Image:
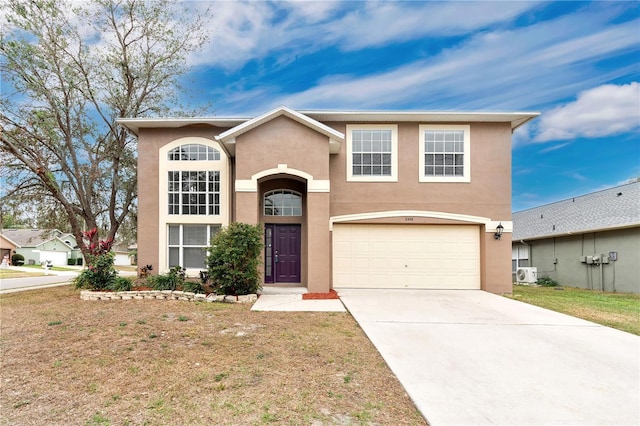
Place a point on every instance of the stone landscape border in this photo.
(165, 295)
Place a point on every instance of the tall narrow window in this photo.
(194, 192)
(282, 202)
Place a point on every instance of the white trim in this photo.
(490, 225)
(466, 177)
(394, 153)
(313, 185)
(164, 166)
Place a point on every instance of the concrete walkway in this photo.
(469, 357)
(289, 299)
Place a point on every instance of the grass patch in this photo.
(54, 268)
(617, 310)
(12, 273)
(210, 369)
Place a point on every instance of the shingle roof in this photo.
(31, 237)
(611, 208)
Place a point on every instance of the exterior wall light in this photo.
(499, 230)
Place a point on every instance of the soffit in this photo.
(516, 119)
(135, 124)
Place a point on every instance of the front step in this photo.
(282, 289)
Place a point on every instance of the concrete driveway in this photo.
(468, 357)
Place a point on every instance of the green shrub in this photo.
(193, 287)
(100, 273)
(17, 259)
(71, 262)
(547, 282)
(79, 261)
(234, 258)
(121, 284)
(169, 281)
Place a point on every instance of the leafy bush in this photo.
(79, 261)
(121, 284)
(234, 258)
(547, 282)
(100, 273)
(71, 262)
(193, 287)
(17, 259)
(169, 281)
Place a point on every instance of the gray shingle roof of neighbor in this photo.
(612, 208)
(31, 237)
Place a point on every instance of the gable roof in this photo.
(612, 208)
(335, 137)
(34, 237)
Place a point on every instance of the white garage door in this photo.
(406, 256)
(58, 258)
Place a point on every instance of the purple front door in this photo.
(282, 253)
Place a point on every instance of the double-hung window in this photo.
(445, 153)
(372, 153)
(188, 243)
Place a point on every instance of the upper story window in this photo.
(445, 153)
(372, 153)
(194, 192)
(193, 152)
(282, 202)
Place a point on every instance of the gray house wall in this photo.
(559, 258)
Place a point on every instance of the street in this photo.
(8, 285)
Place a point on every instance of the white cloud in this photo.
(379, 23)
(605, 110)
(497, 70)
(244, 31)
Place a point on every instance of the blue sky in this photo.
(578, 63)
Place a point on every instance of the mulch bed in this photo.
(321, 296)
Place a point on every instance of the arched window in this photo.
(194, 152)
(282, 202)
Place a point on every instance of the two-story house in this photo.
(345, 198)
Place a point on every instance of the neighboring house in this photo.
(7, 247)
(591, 241)
(122, 255)
(346, 199)
(43, 245)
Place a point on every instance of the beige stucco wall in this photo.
(487, 195)
(283, 141)
(279, 142)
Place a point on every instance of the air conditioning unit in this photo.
(527, 275)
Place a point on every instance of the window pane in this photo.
(194, 235)
(193, 152)
(174, 256)
(282, 203)
(213, 230)
(174, 235)
(194, 257)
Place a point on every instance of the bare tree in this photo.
(69, 70)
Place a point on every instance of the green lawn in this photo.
(617, 310)
(55, 268)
